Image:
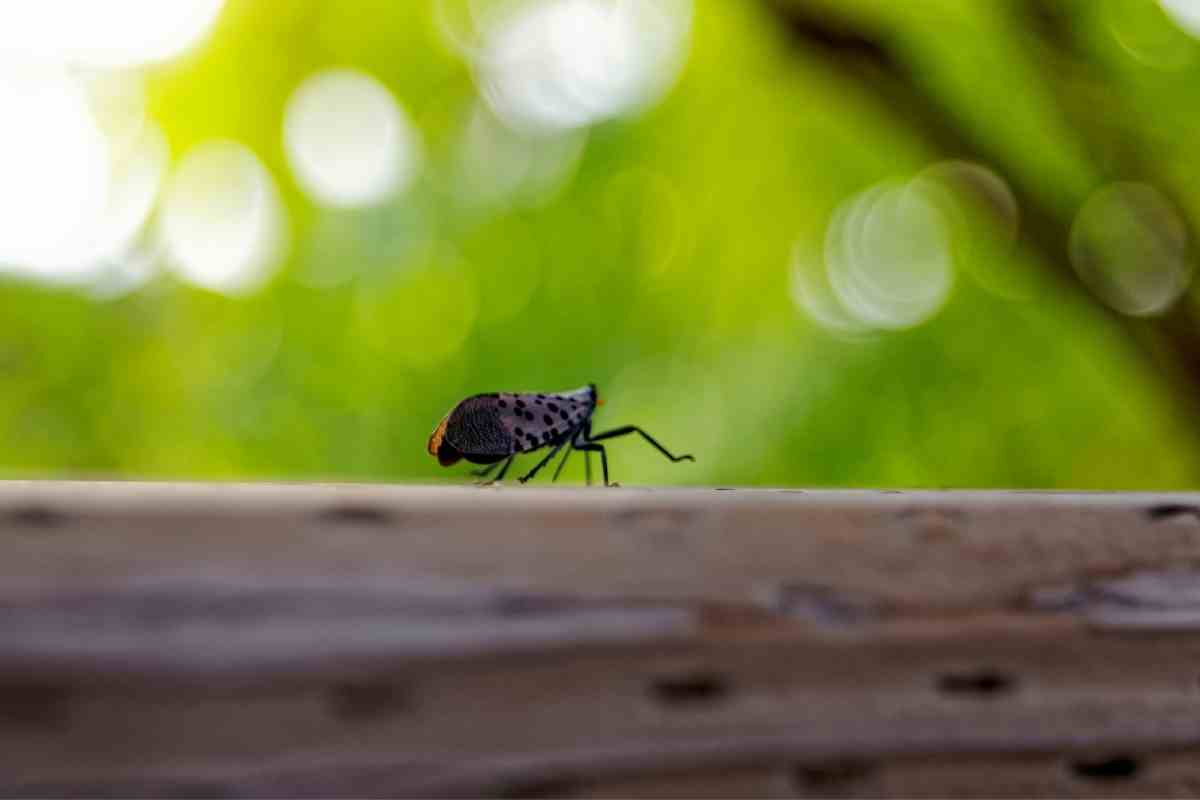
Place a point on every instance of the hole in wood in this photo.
(360, 702)
(829, 776)
(982, 683)
(1113, 768)
(690, 690)
(37, 517)
(1165, 511)
(356, 515)
(34, 705)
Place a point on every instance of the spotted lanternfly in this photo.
(492, 429)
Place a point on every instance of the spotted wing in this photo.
(536, 420)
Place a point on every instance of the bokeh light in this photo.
(1129, 245)
(117, 278)
(887, 252)
(812, 294)
(1147, 32)
(136, 176)
(222, 222)
(137, 155)
(550, 65)
(54, 165)
(1186, 14)
(983, 219)
(348, 141)
(973, 189)
(499, 166)
(113, 33)
(399, 204)
(646, 211)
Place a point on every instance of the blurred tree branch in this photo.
(862, 50)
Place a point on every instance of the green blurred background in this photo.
(945, 243)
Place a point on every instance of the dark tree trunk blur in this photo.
(1171, 342)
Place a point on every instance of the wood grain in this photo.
(316, 640)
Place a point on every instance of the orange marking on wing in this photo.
(435, 439)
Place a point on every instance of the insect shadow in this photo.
(493, 429)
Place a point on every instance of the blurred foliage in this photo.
(660, 270)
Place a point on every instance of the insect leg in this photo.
(561, 464)
(585, 430)
(553, 452)
(588, 447)
(573, 438)
(483, 473)
(627, 429)
(504, 469)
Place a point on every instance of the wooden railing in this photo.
(317, 640)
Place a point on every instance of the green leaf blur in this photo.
(660, 269)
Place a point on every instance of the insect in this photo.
(492, 429)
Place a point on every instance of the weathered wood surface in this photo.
(309, 640)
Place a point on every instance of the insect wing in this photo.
(439, 447)
(476, 427)
(536, 420)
